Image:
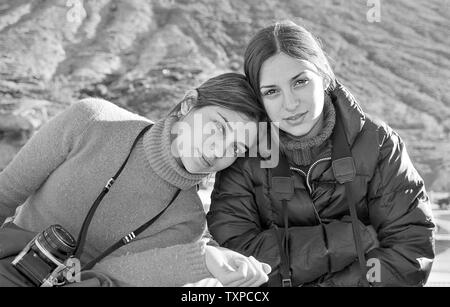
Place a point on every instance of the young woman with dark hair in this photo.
(351, 203)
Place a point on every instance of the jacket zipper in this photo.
(298, 170)
(309, 171)
(307, 180)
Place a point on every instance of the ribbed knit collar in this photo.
(157, 147)
(302, 150)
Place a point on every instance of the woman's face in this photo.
(292, 91)
(211, 138)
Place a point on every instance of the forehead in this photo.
(281, 67)
(230, 115)
(245, 129)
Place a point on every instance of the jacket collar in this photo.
(350, 112)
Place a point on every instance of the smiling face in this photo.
(292, 92)
(211, 138)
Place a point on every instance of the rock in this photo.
(7, 152)
(26, 114)
(144, 54)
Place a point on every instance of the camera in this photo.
(43, 261)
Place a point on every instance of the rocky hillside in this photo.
(143, 55)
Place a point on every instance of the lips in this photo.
(296, 117)
(206, 161)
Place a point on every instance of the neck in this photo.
(315, 130)
(158, 148)
(304, 149)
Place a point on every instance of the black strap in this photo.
(282, 183)
(87, 221)
(286, 281)
(344, 171)
(282, 187)
(129, 237)
(283, 190)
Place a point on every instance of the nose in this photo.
(290, 101)
(229, 145)
(221, 146)
(214, 147)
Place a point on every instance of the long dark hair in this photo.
(291, 39)
(229, 90)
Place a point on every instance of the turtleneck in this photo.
(304, 149)
(157, 145)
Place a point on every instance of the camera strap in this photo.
(129, 237)
(282, 189)
(344, 171)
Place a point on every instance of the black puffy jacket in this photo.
(388, 193)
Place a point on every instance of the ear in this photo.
(186, 107)
(189, 100)
(326, 83)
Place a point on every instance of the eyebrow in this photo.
(225, 120)
(293, 78)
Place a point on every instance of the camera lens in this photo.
(57, 241)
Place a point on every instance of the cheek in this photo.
(272, 108)
(186, 132)
(188, 164)
(318, 101)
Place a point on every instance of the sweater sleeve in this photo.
(172, 266)
(41, 155)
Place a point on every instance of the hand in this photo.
(207, 282)
(235, 270)
(369, 235)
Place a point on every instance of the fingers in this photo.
(220, 267)
(260, 275)
(235, 270)
(232, 278)
(235, 278)
(248, 272)
(207, 282)
(253, 272)
(267, 268)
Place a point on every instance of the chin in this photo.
(197, 170)
(193, 170)
(300, 131)
(200, 172)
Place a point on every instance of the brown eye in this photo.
(301, 82)
(269, 93)
(220, 127)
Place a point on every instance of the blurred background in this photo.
(142, 55)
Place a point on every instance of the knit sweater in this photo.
(61, 170)
(302, 151)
